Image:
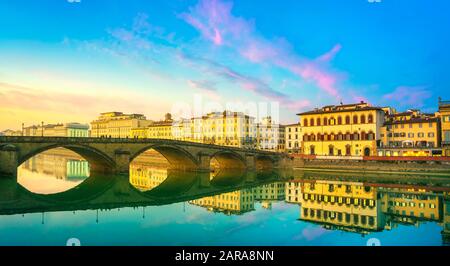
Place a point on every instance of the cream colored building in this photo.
(410, 133)
(228, 129)
(146, 178)
(342, 130)
(58, 130)
(117, 124)
(294, 138)
(10, 132)
(270, 136)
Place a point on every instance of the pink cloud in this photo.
(413, 96)
(215, 22)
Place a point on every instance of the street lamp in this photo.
(23, 128)
(42, 128)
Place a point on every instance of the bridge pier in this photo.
(204, 163)
(250, 176)
(204, 179)
(122, 159)
(9, 161)
(250, 162)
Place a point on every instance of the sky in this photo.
(69, 60)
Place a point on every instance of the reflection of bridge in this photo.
(106, 154)
(107, 192)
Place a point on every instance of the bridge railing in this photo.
(81, 140)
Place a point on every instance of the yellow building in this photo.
(236, 202)
(155, 130)
(224, 128)
(294, 137)
(270, 136)
(348, 206)
(410, 133)
(58, 130)
(350, 130)
(117, 124)
(444, 113)
(446, 219)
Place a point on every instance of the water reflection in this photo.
(53, 171)
(224, 207)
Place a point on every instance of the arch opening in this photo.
(53, 171)
(226, 160)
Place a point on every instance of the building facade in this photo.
(411, 133)
(270, 136)
(444, 114)
(342, 130)
(117, 124)
(58, 130)
(293, 134)
(155, 130)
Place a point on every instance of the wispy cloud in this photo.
(206, 87)
(214, 20)
(246, 82)
(411, 96)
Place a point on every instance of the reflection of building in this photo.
(410, 133)
(270, 136)
(58, 130)
(154, 130)
(348, 206)
(356, 207)
(145, 177)
(446, 218)
(272, 191)
(409, 206)
(236, 202)
(293, 191)
(444, 112)
(351, 129)
(117, 124)
(60, 163)
(293, 138)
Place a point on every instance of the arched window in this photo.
(347, 120)
(340, 136)
(313, 137)
(311, 122)
(318, 121)
(339, 120)
(325, 121)
(363, 119)
(305, 122)
(371, 136)
(355, 136)
(305, 137)
(370, 119)
(363, 136)
(332, 121)
(355, 119)
(319, 137)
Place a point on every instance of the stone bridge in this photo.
(115, 154)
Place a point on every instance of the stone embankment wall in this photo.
(382, 166)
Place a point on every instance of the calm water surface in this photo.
(56, 198)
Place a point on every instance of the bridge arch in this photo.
(178, 157)
(98, 160)
(228, 159)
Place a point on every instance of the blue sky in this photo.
(67, 61)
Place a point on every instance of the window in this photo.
(318, 121)
(347, 120)
(311, 121)
(430, 124)
(339, 120)
(363, 119)
(325, 121)
(420, 125)
(370, 118)
(305, 122)
(420, 135)
(431, 135)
